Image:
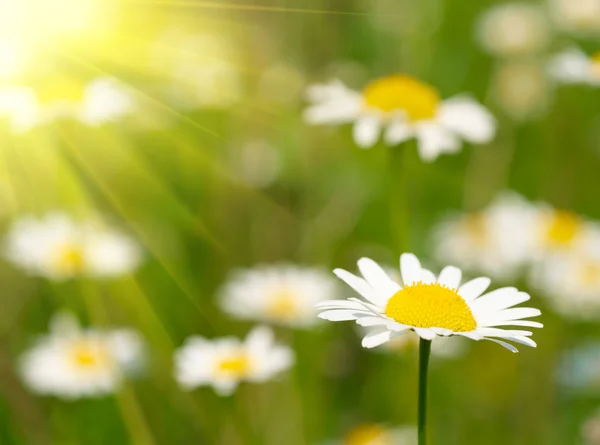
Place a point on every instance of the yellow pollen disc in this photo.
(563, 228)
(283, 306)
(402, 93)
(70, 259)
(368, 434)
(236, 366)
(88, 354)
(431, 306)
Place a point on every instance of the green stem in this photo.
(424, 351)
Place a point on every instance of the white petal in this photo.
(496, 301)
(426, 334)
(376, 338)
(434, 139)
(378, 279)
(427, 276)
(450, 276)
(508, 346)
(527, 323)
(372, 321)
(358, 284)
(410, 268)
(397, 132)
(366, 130)
(572, 66)
(474, 288)
(516, 313)
(468, 118)
(342, 315)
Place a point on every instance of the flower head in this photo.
(57, 247)
(376, 434)
(578, 16)
(71, 363)
(573, 66)
(431, 306)
(225, 362)
(404, 107)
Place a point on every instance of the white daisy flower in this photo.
(71, 363)
(573, 66)
(225, 362)
(431, 306)
(376, 434)
(403, 107)
(497, 241)
(278, 294)
(561, 231)
(579, 16)
(513, 29)
(58, 248)
(99, 102)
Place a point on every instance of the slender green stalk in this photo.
(424, 351)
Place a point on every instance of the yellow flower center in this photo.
(563, 228)
(475, 225)
(368, 434)
(235, 366)
(431, 306)
(283, 306)
(87, 354)
(595, 59)
(402, 93)
(69, 259)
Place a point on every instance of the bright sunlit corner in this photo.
(299, 222)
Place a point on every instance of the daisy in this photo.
(498, 240)
(573, 66)
(431, 306)
(403, 107)
(579, 16)
(278, 294)
(513, 29)
(442, 348)
(375, 434)
(71, 363)
(101, 101)
(561, 231)
(59, 248)
(225, 362)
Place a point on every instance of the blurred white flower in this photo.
(257, 163)
(578, 16)
(573, 66)
(521, 88)
(225, 362)
(498, 240)
(279, 294)
(560, 231)
(513, 29)
(59, 248)
(403, 107)
(71, 363)
(101, 101)
(376, 434)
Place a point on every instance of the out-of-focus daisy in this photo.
(431, 306)
(498, 240)
(561, 230)
(101, 101)
(225, 362)
(573, 66)
(578, 16)
(279, 294)
(59, 248)
(521, 88)
(402, 107)
(71, 363)
(590, 431)
(513, 29)
(376, 434)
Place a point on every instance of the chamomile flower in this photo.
(431, 306)
(513, 29)
(376, 434)
(225, 362)
(498, 240)
(59, 248)
(560, 231)
(101, 101)
(577, 16)
(71, 363)
(402, 107)
(573, 66)
(278, 294)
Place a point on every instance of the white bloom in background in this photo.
(431, 306)
(521, 88)
(279, 294)
(225, 362)
(513, 29)
(573, 66)
(578, 16)
(101, 101)
(257, 163)
(59, 248)
(560, 231)
(402, 107)
(376, 434)
(71, 363)
(498, 241)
